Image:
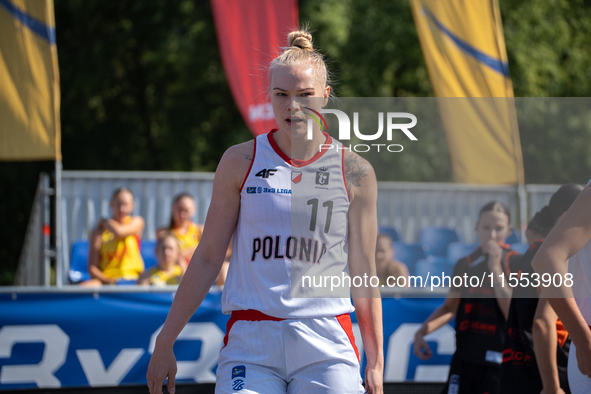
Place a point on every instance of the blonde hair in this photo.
(301, 51)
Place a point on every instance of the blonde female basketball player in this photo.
(569, 244)
(293, 209)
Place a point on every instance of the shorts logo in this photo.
(322, 176)
(251, 190)
(454, 384)
(296, 176)
(239, 371)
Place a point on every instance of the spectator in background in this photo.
(168, 271)
(476, 364)
(114, 255)
(182, 226)
(386, 264)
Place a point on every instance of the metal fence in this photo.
(86, 196)
(34, 262)
(405, 206)
(410, 206)
(539, 196)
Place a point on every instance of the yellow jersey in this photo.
(190, 239)
(161, 278)
(120, 258)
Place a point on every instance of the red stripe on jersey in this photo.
(296, 162)
(228, 328)
(251, 163)
(345, 322)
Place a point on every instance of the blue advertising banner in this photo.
(106, 339)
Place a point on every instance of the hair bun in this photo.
(301, 39)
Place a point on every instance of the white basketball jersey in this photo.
(580, 266)
(292, 226)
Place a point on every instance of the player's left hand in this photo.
(374, 380)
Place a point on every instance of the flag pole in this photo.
(59, 258)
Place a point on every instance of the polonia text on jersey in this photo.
(302, 248)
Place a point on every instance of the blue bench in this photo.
(435, 240)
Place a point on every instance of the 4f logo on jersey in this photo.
(322, 176)
(296, 176)
(266, 172)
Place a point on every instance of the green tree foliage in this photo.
(548, 48)
(143, 88)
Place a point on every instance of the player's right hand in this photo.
(162, 365)
(421, 348)
(584, 359)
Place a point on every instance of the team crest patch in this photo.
(296, 176)
(239, 371)
(251, 190)
(322, 176)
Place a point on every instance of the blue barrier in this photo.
(105, 339)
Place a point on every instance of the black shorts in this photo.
(469, 378)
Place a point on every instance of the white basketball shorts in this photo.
(267, 355)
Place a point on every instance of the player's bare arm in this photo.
(569, 236)
(362, 186)
(356, 168)
(122, 230)
(437, 319)
(544, 333)
(205, 263)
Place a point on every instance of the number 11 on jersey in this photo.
(328, 205)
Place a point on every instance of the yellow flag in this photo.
(464, 48)
(29, 81)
